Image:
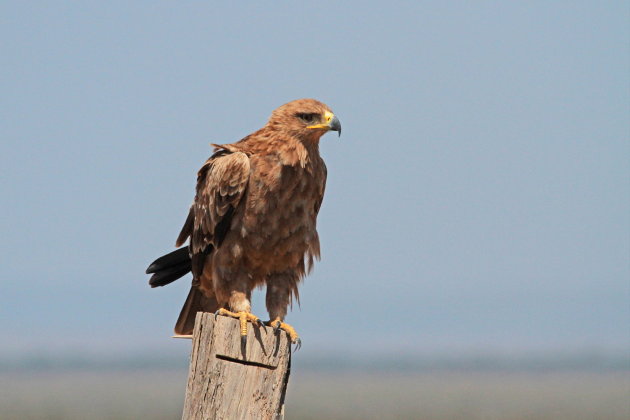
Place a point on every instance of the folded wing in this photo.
(221, 184)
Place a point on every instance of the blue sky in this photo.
(477, 200)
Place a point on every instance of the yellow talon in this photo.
(293, 335)
(243, 317)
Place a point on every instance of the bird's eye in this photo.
(308, 118)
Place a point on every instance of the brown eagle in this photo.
(253, 220)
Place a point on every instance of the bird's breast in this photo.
(278, 225)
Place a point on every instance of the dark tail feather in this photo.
(195, 302)
(169, 267)
(169, 275)
(172, 258)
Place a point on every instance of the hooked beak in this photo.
(335, 125)
(332, 123)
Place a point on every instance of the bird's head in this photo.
(305, 118)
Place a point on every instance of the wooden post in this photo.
(226, 381)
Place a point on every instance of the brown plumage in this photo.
(253, 220)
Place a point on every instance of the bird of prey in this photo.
(253, 220)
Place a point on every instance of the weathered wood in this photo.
(226, 383)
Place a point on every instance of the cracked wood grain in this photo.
(226, 381)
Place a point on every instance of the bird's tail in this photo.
(169, 267)
(195, 302)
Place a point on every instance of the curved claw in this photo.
(278, 325)
(275, 324)
(260, 323)
(298, 344)
(243, 318)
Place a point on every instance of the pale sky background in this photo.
(477, 201)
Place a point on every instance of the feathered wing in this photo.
(221, 184)
(314, 250)
(322, 188)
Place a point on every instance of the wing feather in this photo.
(221, 184)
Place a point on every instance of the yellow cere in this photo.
(328, 116)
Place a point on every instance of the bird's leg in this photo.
(278, 325)
(278, 296)
(241, 307)
(243, 317)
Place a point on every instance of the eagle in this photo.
(253, 221)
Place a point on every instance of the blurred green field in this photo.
(158, 394)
